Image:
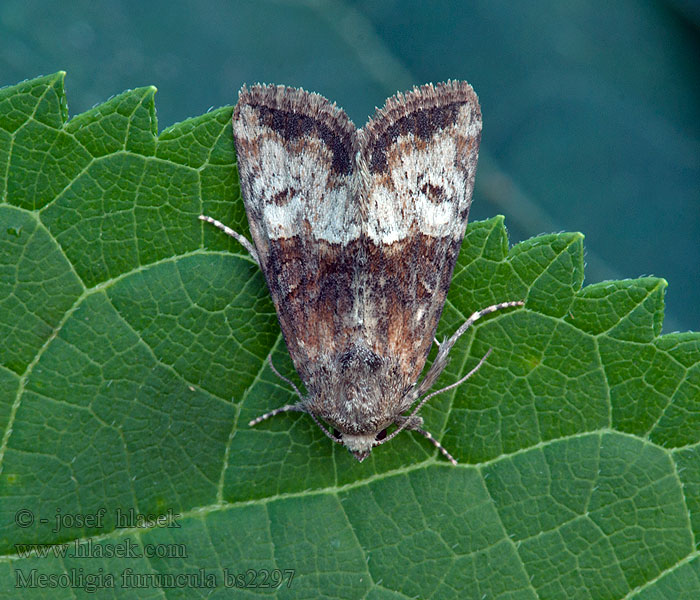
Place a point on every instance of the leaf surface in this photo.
(134, 340)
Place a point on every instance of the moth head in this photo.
(360, 445)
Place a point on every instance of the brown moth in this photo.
(357, 233)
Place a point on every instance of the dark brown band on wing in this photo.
(406, 287)
(295, 113)
(325, 304)
(311, 284)
(423, 123)
(423, 112)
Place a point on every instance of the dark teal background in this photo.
(591, 108)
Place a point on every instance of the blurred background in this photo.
(591, 108)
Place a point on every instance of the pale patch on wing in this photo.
(296, 192)
(295, 160)
(424, 192)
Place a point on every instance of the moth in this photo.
(357, 232)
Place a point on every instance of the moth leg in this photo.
(440, 361)
(298, 407)
(282, 377)
(235, 235)
(287, 408)
(413, 423)
(437, 444)
(438, 366)
(453, 385)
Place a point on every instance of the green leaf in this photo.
(134, 339)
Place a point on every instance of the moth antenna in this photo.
(440, 361)
(409, 419)
(283, 378)
(437, 444)
(243, 241)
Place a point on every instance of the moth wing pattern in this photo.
(296, 154)
(419, 155)
(357, 233)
